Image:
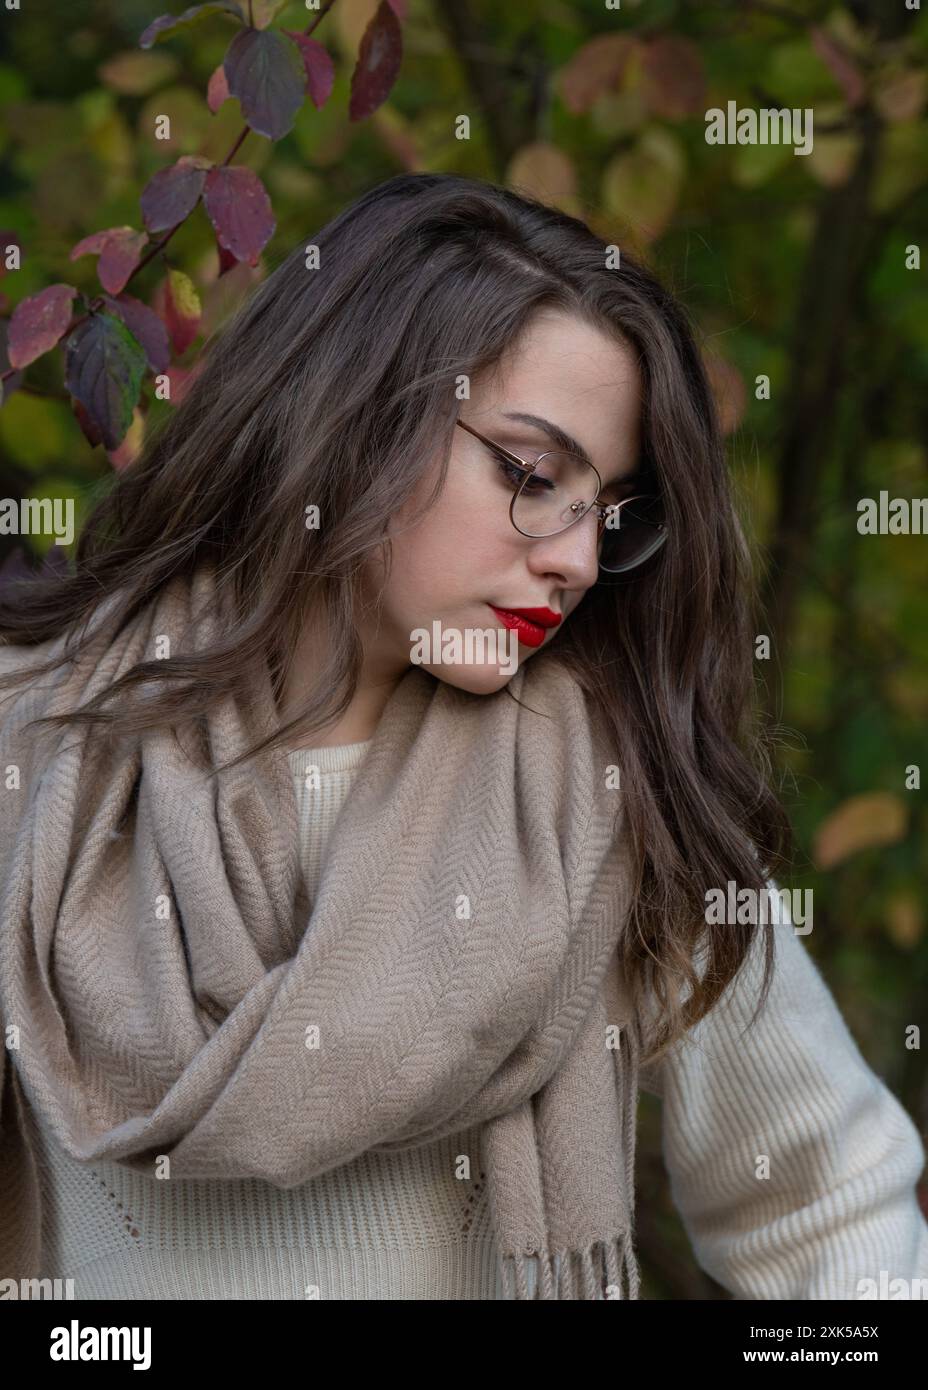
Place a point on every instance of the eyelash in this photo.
(513, 476)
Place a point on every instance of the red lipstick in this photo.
(530, 623)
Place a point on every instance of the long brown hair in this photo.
(335, 386)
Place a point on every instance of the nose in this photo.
(573, 553)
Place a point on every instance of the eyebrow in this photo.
(559, 436)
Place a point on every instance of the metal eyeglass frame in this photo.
(529, 468)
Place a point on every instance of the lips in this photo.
(529, 623)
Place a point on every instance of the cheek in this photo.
(449, 549)
(477, 539)
(457, 554)
(423, 556)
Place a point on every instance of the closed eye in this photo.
(513, 474)
(612, 493)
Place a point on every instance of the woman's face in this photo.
(464, 557)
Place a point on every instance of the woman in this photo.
(444, 523)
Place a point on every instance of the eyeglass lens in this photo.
(543, 507)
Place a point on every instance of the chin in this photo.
(478, 680)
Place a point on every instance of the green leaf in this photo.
(642, 184)
(797, 76)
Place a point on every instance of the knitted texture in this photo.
(457, 968)
(414, 1224)
(839, 1204)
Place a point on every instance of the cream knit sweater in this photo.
(839, 1204)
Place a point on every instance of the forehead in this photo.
(566, 370)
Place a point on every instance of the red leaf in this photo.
(674, 77)
(379, 60)
(320, 70)
(237, 204)
(104, 366)
(266, 74)
(88, 428)
(38, 323)
(119, 257)
(845, 72)
(120, 250)
(12, 383)
(172, 194)
(91, 245)
(218, 90)
(598, 67)
(146, 327)
(226, 260)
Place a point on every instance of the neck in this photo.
(359, 721)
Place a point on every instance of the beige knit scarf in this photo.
(167, 988)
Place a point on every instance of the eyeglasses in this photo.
(559, 488)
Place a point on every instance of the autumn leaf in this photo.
(868, 821)
(239, 208)
(378, 65)
(120, 250)
(171, 194)
(266, 73)
(104, 366)
(168, 24)
(38, 323)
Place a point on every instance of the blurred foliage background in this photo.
(793, 267)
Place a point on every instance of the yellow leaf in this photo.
(862, 822)
(263, 12)
(130, 446)
(832, 159)
(904, 920)
(899, 95)
(619, 113)
(544, 172)
(135, 73)
(184, 294)
(906, 688)
(641, 185)
(351, 18)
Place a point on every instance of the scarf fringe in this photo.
(575, 1274)
(602, 1264)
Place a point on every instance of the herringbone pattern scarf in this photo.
(167, 989)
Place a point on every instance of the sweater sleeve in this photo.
(839, 1205)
